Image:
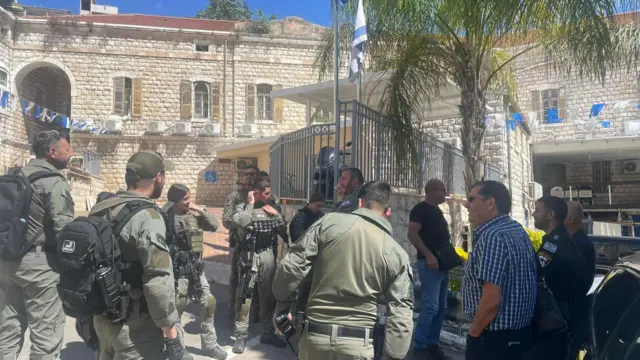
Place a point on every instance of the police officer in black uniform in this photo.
(562, 266)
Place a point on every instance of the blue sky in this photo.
(316, 11)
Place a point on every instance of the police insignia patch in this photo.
(550, 247)
(544, 259)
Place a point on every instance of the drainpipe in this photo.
(507, 111)
(233, 91)
(224, 87)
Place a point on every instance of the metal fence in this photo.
(302, 161)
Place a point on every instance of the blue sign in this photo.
(211, 176)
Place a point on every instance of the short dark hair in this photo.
(45, 140)
(557, 205)
(260, 184)
(355, 172)
(103, 196)
(375, 192)
(177, 192)
(496, 190)
(316, 197)
(262, 174)
(251, 166)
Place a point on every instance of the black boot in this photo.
(240, 345)
(216, 352)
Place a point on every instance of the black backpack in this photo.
(91, 274)
(16, 193)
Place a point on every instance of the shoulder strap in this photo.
(126, 213)
(374, 223)
(41, 175)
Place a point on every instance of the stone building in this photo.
(179, 86)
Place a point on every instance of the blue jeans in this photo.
(433, 306)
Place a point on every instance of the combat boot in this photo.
(240, 345)
(216, 352)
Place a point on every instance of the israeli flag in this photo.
(359, 39)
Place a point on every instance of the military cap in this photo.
(147, 164)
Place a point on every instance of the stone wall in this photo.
(495, 152)
(535, 74)
(90, 56)
(84, 189)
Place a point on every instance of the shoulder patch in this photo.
(544, 259)
(552, 248)
(345, 203)
(155, 215)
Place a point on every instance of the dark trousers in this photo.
(499, 345)
(554, 348)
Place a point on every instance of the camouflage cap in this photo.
(147, 164)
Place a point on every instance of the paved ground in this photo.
(217, 269)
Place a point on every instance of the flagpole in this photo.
(336, 98)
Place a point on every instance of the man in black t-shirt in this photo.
(429, 234)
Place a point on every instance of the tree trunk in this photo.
(472, 110)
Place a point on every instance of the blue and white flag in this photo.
(359, 40)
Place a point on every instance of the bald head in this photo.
(435, 192)
(573, 221)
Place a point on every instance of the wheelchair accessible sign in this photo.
(211, 176)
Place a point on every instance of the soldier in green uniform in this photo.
(234, 199)
(29, 285)
(349, 186)
(355, 261)
(152, 325)
(259, 225)
(187, 247)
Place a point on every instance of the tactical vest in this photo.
(263, 230)
(194, 233)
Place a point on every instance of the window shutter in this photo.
(118, 96)
(216, 102)
(251, 103)
(136, 110)
(535, 106)
(278, 105)
(562, 105)
(185, 100)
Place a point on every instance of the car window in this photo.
(617, 305)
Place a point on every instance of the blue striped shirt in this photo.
(502, 255)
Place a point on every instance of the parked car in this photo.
(615, 313)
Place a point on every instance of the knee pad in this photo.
(210, 305)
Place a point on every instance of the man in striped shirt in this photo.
(499, 287)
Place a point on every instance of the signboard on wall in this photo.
(211, 176)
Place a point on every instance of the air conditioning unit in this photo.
(631, 166)
(455, 142)
(182, 128)
(156, 127)
(211, 129)
(113, 125)
(249, 129)
(535, 190)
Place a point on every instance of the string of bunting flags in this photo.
(40, 113)
(552, 115)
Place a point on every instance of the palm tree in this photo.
(424, 44)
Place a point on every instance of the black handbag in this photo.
(447, 258)
(547, 318)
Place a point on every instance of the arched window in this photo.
(201, 100)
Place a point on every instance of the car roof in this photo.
(631, 261)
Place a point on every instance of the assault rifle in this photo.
(246, 263)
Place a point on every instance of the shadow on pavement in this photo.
(76, 350)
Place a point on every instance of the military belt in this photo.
(343, 331)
